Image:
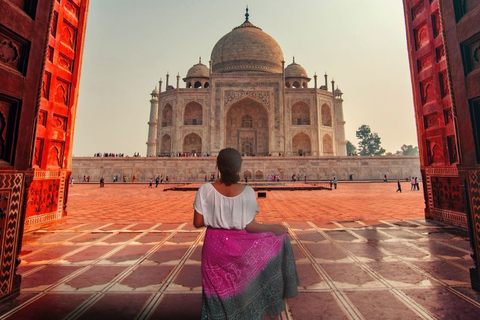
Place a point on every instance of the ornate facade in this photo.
(248, 100)
(437, 139)
(444, 49)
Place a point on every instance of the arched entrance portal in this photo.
(192, 143)
(301, 144)
(247, 127)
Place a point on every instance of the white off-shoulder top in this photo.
(224, 212)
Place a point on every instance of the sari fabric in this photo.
(246, 275)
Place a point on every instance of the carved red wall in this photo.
(461, 27)
(23, 33)
(56, 117)
(437, 138)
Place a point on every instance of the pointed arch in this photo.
(326, 115)
(167, 115)
(193, 115)
(301, 144)
(246, 127)
(327, 144)
(192, 143)
(300, 114)
(166, 146)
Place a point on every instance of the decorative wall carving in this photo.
(444, 86)
(231, 95)
(37, 153)
(68, 35)
(447, 193)
(436, 25)
(42, 118)
(65, 63)
(54, 24)
(471, 53)
(62, 92)
(474, 195)
(423, 63)
(435, 151)
(43, 197)
(13, 50)
(427, 91)
(440, 53)
(10, 202)
(50, 52)
(430, 120)
(417, 10)
(72, 8)
(55, 154)
(47, 78)
(9, 117)
(59, 122)
(421, 36)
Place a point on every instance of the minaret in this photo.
(340, 132)
(152, 125)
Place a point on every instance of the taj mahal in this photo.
(249, 100)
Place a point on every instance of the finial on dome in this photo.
(200, 59)
(293, 59)
(246, 14)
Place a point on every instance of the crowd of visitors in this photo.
(108, 155)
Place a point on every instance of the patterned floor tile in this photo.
(362, 252)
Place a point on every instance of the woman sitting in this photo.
(248, 268)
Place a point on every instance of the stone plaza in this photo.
(363, 251)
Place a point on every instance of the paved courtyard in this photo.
(363, 251)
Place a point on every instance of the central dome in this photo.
(247, 48)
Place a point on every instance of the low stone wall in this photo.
(195, 169)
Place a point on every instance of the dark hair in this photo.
(229, 163)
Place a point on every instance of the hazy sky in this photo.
(131, 44)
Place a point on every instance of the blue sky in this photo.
(130, 45)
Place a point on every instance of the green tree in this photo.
(370, 144)
(351, 149)
(408, 150)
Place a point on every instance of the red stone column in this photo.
(56, 117)
(23, 35)
(434, 115)
(461, 24)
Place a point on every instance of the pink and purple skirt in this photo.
(246, 275)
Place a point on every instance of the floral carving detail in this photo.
(8, 51)
(231, 96)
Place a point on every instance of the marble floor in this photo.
(147, 266)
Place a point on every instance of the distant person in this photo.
(71, 182)
(102, 182)
(84, 178)
(412, 184)
(248, 268)
(384, 178)
(133, 179)
(335, 181)
(399, 186)
(157, 180)
(150, 185)
(350, 177)
(166, 179)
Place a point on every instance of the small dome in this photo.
(338, 92)
(295, 70)
(155, 91)
(198, 71)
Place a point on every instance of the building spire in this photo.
(200, 59)
(246, 14)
